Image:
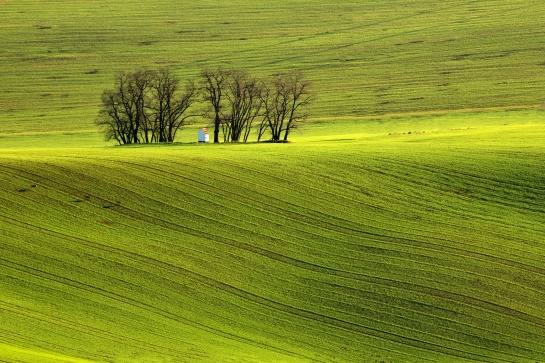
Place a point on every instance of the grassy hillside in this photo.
(405, 225)
(365, 57)
(352, 244)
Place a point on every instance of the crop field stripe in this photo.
(305, 314)
(141, 305)
(272, 304)
(32, 314)
(251, 297)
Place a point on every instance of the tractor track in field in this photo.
(480, 256)
(135, 215)
(247, 296)
(341, 227)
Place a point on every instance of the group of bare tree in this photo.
(146, 106)
(151, 106)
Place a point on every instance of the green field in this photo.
(364, 57)
(404, 223)
(352, 244)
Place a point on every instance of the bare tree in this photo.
(137, 88)
(214, 82)
(283, 103)
(145, 106)
(123, 113)
(114, 119)
(169, 105)
(243, 94)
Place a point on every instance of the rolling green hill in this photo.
(352, 244)
(406, 223)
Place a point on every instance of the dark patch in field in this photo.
(43, 27)
(189, 31)
(416, 99)
(340, 140)
(460, 57)
(22, 190)
(107, 222)
(407, 133)
(94, 71)
(146, 43)
(408, 43)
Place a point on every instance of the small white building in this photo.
(203, 135)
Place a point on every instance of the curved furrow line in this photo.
(410, 201)
(248, 296)
(226, 216)
(486, 185)
(384, 321)
(142, 305)
(287, 281)
(384, 299)
(77, 326)
(440, 174)
(313, 267)
(248, 197)
(482, 179)
(214, 296)
(249, 232)
(405, 232)
(329, 227)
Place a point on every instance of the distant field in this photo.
(415, 239)
(404, 223)
(365, 57)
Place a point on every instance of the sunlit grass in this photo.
(396, 239)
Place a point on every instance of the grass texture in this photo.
(364, 57)
(415, 239)
(405, 224)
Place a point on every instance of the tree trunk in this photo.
(217, 122)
